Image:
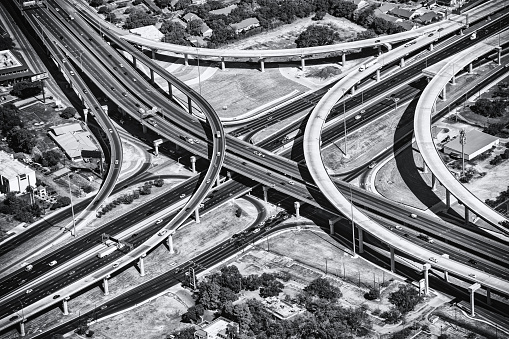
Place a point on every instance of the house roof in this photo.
(407, 25)
(71, 140)
(386, 7)
(225, 10)
(179, 21)
(67, 128)
(148, 32)
(204, 28)
(387, 17)
(191, 16)
(404, 13)
(428, 16)
(475, 141)
(10, 167)
(245, 23)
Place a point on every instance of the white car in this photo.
(159, 221)
(115, 265)
(29, 267)
(182, 196)
(358, 116)
(256, 230)
(53, 263)
(433, 259)
(116, 162)
(163, 232)
(398, 227)
(291, 182)
(29, 291)
(111, 130)
(372, 165)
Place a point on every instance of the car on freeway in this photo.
(431, 34)
(158, 221)
(71, 72)
(182, 196)
(201, 206)
(115, 265)
(218, 153)
(433, 259)
(291, 182)
(413, 216)
(29, 267)
(256, 230)
(472, 275)
(406, 235)
(398, 227)
(152, 122)
(121, 65)
(372, 165)
(440, 29)
(111, 130)
(196, 141)
(116, 162)
(103, 307)
(472, 261)
(53, 263)
(377, 41)
(56, 9)
(29, 291)
(72, 272)
(56, 296)
(112, 88)
(115, 68)
(85, 91)
(163, 232)
(124, 94)
(208, 181)
(110, 56)
(358, 116)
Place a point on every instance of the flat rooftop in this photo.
(10, 167)
(8, 60)
(475, 140)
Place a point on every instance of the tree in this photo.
(342, 9)
(367, 34)
(88, 188)
(193, 313)
(222, 35)
(209, 295)
(139, 18)
(96, 3)
(61, 202)
(405, 298)
(187, 333)
(136, 194)
(26, 89)
(9, 118)
(111, 17)
(68, 112)
(6, 43)
(174, 33)
(391, 316)
(194, 27)
(316, 35)
(104, 10)
(21, 140)
(323, 289)
(50, 158)
(230, 277)
(271, 289)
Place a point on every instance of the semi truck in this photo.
(367, 65)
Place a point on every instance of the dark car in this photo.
(472, 261)
(56, 296)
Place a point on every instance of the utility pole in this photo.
(72, 207)
(463, 141)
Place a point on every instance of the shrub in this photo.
(391, 316)
(373, 294)
(88, 188)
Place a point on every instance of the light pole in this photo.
(463, 141)
(72, 207)
(199, 74)
(354, 255)
(344, 123)
(395, 99)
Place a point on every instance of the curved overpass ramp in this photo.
(312, 153)
(454, 23)
(423, 137)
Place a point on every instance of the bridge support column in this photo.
(154, 53)
(426, 268)
(65, 306)
(352, 90)
(190, 105)
(472, 290)
(378, 75)
(379, 50)
(169, 241)
(297, 209)
(453, 79)
(470, 68)
(144, 128)
(22, 332)
(444, 93)
(105, 285)
(467, 214)
(151, 75)
(156, 149)
(433, 182)
(265, 189)
(499, 55)
(402, 62)
(393, 261)
(197, 216)
(85, 115)
(193, 163)
(448, 199)
(361, 240)
(223, 66)
(467, 23)
(262, 65)
(424, 167)
(302, 63)
(134, 61)
(343, 59)
(218, 181)
(141, 265)
(488, 296)
(186, 60)
(331, 226)
(446, 273)
(170, 90)
(431, 47)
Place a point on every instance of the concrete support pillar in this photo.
(262, 65)
(426, 268)
(186, 60)
(393, 261)
(352, 90)
(65, 306)
(433, 182)
(378, 75)
(379, 50)
(197, 216)
(361, 240)
(467, 23)
(144, 128)
(156, 149)
(424, 167)
(472, 290)
(331, 226)
(444, 93)
(499, 55)
(105, 285)
(218, 181)
(297, 209)
(448, 199)
(170, 243)
(22, 332)
(151, 75)
(402, 62)
(170, 90)
(343, 59)
(431, 47)
(134, 61)
(85, 114)
(446, 273)
(467, 214)
(223, 66)
(190, 105)
(302, 63)
(193, 163)
(265, 190)
(154, 53)
(470, 68)
(453, 80)
(141, 266)
(488, 296)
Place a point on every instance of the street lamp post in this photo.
(72, 207)
(344, 123)
(463, 141)
(354, 255)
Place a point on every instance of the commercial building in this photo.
(12, 69)
(245, 25)
(476, 143)
(14, 176)
(217, 329)
(72, 139)
(148, 32)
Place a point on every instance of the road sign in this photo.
(40, 76)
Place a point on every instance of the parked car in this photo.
(53, 263)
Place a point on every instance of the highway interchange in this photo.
(240, 158)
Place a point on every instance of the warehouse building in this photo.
(14, 176)
(477, 143)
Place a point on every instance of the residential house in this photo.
(407, 25)
(402, 13)
(179, 21)
(428, 18)
(206, 31)
(359, 3)
(245, 25)
(191, 16)
(225, 10)
(148, 32)
(380, 14)
(197, 41)
(386, 7)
